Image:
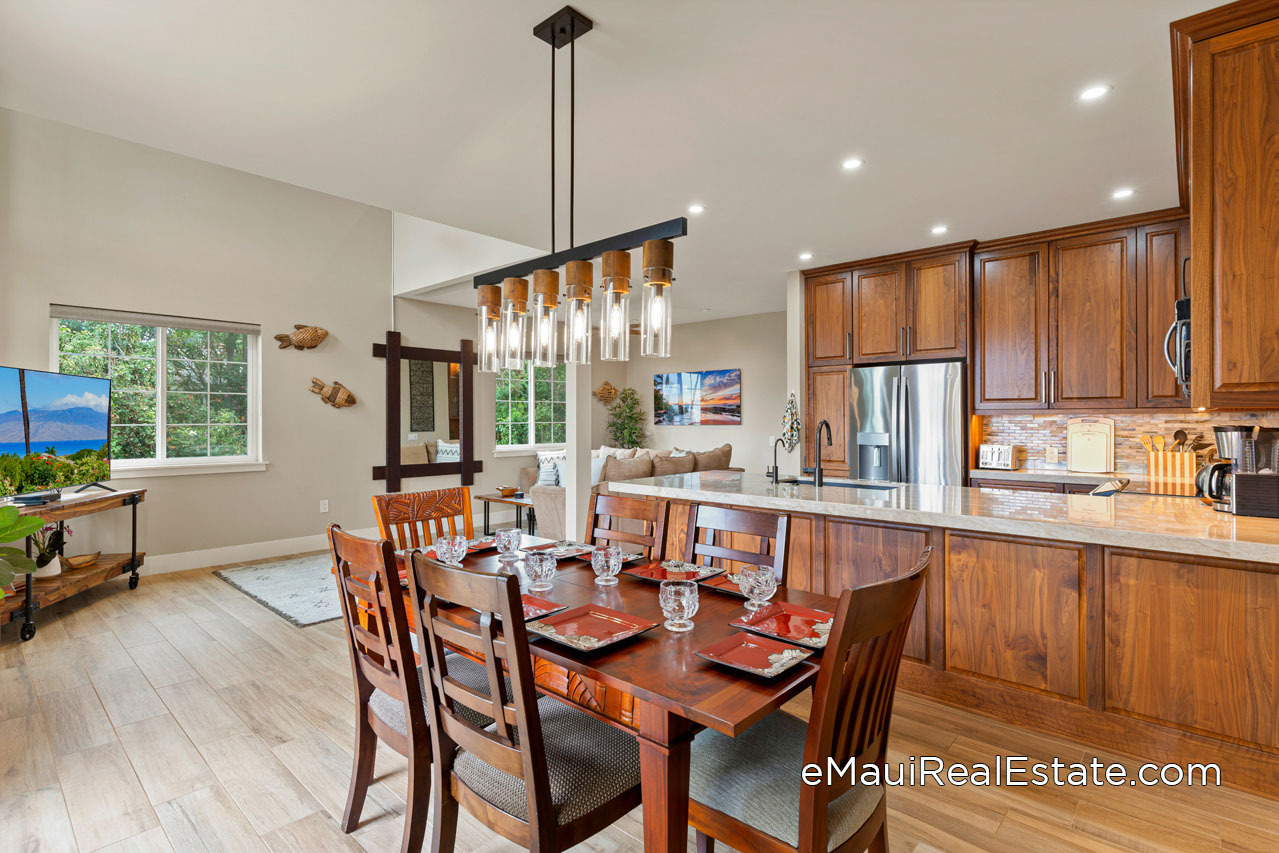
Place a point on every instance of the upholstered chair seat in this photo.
(391, 710)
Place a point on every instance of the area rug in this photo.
(300, 589)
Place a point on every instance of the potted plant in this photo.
(626, 420)
(13, 561)
(48, 542)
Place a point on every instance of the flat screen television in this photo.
(55, 432)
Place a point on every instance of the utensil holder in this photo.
(1171, 472)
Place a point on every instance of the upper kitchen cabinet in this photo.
(1162, 250)
(1226, 80)
(829, 310)
(1011, 328)
(879, 313)
(1093, 322)
(911, 308)
(937, 290)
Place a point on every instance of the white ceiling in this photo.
(964, 112)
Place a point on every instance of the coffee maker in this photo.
(1249, 450)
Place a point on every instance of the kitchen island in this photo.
(1141, 624)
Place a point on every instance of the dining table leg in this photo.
(664, 741)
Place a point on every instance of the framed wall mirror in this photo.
(430, 400)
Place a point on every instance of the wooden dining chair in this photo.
(647, 520)
(544, 776)
(389, 689)
(712, 534)
(747, 791)
(417, 519)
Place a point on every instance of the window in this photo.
(530, 406)
(182, 391)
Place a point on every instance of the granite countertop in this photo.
(1147, 522)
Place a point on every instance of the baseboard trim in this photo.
(186, 560)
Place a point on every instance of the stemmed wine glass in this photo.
(607, 562)
(679, 604)
(758, 584)
(508, 541)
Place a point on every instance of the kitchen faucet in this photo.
(817, 475)
(776, 474)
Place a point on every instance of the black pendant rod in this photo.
(552, 146)
(572, 131)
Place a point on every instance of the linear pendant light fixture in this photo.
(511, 328)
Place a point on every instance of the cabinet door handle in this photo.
(848, 345)
(901, 339)
(1052, 386)
(909, 330)
(1043, 386)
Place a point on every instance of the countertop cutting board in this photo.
(1090, 444)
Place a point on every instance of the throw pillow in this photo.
(561, 472)
(597, 470)
(664, 465)
(677, 453)
(547, 473)
(626, 469)
(448, 451)
(713, 460)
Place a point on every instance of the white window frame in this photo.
(532, 447)
(161, 465)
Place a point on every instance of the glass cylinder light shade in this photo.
(655, 314)
(577, 320)
(489, 334)
(546, 296)
(514, 322)
(615, 308)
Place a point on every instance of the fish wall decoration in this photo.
(336, 395)
(306, 337)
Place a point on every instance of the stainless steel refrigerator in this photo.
(907, 423)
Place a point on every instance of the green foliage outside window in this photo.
(530, 406)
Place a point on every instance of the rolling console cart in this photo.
(41, 592)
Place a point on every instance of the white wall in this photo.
(90, 220)
(755, 344)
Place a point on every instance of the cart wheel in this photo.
(133, 581)
(28, 631)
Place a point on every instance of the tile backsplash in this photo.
(1033, 435)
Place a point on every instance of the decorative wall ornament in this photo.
(421, 396)
(336, 395)
(790, 424)
(606, 393)
(306, 337)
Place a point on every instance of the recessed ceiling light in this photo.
(696, 209)
(853, 163)
(1122, 193)
(1095, 92)
(805, 256)
(940, 229)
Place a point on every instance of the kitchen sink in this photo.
(828, 484)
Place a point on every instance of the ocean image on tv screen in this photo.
(54, 430)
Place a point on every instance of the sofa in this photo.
(618, 465)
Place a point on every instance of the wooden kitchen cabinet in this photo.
(915, 309)
(937, 296)
(1093, 322)
(1161, 253)
(828, 306)
(1011, 332)
(880, 316)
(828, 390)
(1234, 225)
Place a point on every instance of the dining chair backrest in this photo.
(853, 697)
(417, 519)
(377, 629)
(609, 512)
(480, 614)
(713, 533)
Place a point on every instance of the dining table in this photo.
(675, 692)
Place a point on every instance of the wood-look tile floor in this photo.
(185, 716)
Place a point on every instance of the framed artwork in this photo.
(705, 398)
